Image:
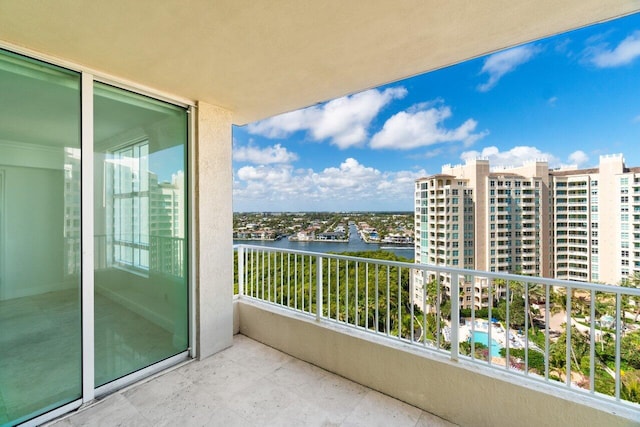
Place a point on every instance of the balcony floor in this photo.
(250, 384)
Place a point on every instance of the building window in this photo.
(131, 205)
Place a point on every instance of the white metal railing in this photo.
(524, 327)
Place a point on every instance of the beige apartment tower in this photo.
(471, 216)
(565, 223)
(596, 222)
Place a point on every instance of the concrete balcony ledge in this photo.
(458, 391)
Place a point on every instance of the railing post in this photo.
(240, 271)
(455, 315)
(319, 288)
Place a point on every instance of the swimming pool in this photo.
(483, 338)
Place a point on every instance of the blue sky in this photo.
(567, 99)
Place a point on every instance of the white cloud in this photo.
(562, 46)
(513, 157)
(636, 119)
(343, 121)
(552, 101)
(351, 175)
(433, 153)
(627, 51)
(283, 125)
(578, 157)
(263, 156)
(501, 63)
(343, 187)
(421, 126)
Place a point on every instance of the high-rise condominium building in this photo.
(473, 217)
(567, 223)
(596, 222)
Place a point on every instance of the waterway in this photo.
(356, 244)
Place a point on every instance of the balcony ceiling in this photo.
(261, 58)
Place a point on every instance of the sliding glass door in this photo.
(140, 222)
(63, 331)
(40, 320)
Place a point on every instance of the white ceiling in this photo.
(260, 58)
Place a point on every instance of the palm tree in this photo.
(558, 301)
(517, 290)
(632, 304)
(579, 348)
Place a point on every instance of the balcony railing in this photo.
(520, 328)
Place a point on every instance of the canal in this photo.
(356, 244)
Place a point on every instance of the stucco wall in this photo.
(214, 222)
(454, 391)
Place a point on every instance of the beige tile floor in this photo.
(249, 384)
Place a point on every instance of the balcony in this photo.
(341, 334)
(321, 302)
(329, 359)
(218, 74)
(250, 384)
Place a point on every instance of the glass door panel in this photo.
(40, 317)
(141, 293)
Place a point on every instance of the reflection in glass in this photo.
(140, 226)
(40, 323)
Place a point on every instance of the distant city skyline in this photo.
(566, 99)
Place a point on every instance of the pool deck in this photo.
(498, 333)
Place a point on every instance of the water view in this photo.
(397, 223)
(355, 244)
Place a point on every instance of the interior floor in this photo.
(40, 349)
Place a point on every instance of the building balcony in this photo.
(342, 314)
(320, 314)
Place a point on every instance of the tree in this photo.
(481, 351)
(630, 349)
(632, 304)
(432, 293)
(535, 359)
(516, 312)
(579, 348)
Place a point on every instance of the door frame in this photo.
(88, 78)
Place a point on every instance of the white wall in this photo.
(33, 238)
